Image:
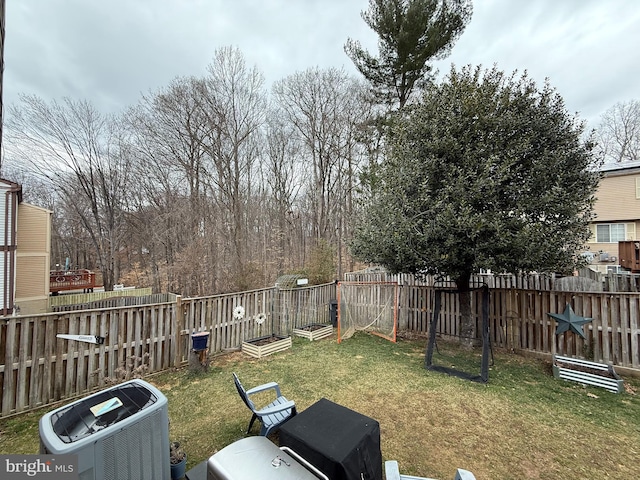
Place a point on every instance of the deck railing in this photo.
(72, 280)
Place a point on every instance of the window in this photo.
(617, 269)
(610, 233)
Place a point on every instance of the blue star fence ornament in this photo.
(569, 321)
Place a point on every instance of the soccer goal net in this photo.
(367, 306)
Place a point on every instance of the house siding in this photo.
(33, 259)
(9, 201)
(617, 202)
(616, 198)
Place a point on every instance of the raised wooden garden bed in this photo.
(587, 373)
(263, 346)
(315, 331)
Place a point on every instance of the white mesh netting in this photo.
(367, 306)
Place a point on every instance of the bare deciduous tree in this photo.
(234, 106)
(82, 154)
(284, 177)
(325, 107)
(619, 133)
(197, 189)
(170, 204)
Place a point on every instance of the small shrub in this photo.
(176, 453)
(126, 371)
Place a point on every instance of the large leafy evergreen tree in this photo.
(486, 171)
(411, 33)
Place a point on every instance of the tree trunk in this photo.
(467, 326)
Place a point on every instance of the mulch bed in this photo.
(264, 341)
(311, 328)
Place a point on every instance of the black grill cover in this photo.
(343, 444)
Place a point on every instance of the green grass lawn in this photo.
(522, 424)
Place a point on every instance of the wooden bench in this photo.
(587, 373)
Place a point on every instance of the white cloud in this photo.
(111, 52)
(586, 48)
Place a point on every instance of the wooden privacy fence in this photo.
(120, 301)
(587, 280)
(37, 368)
(518, 320)
(527, 281)
(283, 310)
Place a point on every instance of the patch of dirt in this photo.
(264, 341)
(312, 328)
(407, 335)
(226, 358)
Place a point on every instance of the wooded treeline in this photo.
(209, 185)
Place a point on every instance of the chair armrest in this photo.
(462, 474)
(266, 386)
(391, 470)
(277, 408)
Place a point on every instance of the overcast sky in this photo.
(112, 51)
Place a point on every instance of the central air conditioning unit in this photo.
(118, 434)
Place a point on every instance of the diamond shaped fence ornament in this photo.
(569, 321)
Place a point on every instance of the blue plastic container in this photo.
(199, 341)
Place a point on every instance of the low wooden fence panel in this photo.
(525, 281)
(519, 320)
(79, 298)
(283, 310)
(612, 335)
(216, 315)
(40, 368)
(116, 301)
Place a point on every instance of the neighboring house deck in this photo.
(81, 279)
(617, 210)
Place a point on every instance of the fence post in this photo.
(178, 327)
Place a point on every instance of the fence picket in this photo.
(615, 335)
(606, 351)
(624, 330)
(35, 377)
(634, 311)
(22, 366)
(81, 373)
(48, 368)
